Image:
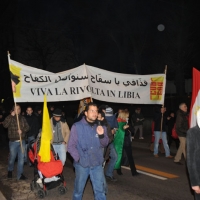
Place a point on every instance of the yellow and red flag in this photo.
(46, 135)
(156, 88)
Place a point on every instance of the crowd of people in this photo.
(98, 139)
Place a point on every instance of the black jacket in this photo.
(182, 123)
(157, 121)
(136, 116)
(193, 152)
(127, 138)
(33, 125)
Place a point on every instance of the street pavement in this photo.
(11, 189)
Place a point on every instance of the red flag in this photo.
(195, 103)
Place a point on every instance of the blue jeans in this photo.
(30, 139)
(163, 135)
(15, 149)
(105, 185)
(60, 149)
(113, 160)
(96, 177)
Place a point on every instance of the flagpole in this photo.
(18, 125)
(163, 102)
(20, 138)
(91, 100)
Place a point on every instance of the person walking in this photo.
(61, 134)
(38, 114)
(14, 142)
(32, 132)
(106, 152)
(193, 161)
(160, 132)
(51, 110)
(124, 134)
(112, 122)
(181, 130)
(86, 143)
(137, 119)
(102, 121)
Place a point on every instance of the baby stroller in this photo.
(47, 175)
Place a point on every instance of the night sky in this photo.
(117, 35)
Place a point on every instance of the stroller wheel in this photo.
(41, 194)
(62, 190)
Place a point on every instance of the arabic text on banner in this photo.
(30, 84)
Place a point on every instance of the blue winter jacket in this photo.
(85, 145)
(112, 121)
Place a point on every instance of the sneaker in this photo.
(22, 177)
(132, 138)
(156, 156)
(9, 174)
(141, 138)
(113, 179)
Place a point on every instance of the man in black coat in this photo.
(33, 129)
(138, 119)
(193, 159)
(181, 130)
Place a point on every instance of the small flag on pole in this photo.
(46, 135)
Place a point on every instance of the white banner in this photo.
(30, 84)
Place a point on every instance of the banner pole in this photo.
(91, 100)
(20, 139)
(165, 72)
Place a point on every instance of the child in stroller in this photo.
(47, 175)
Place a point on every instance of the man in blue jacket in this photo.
(85, 145)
